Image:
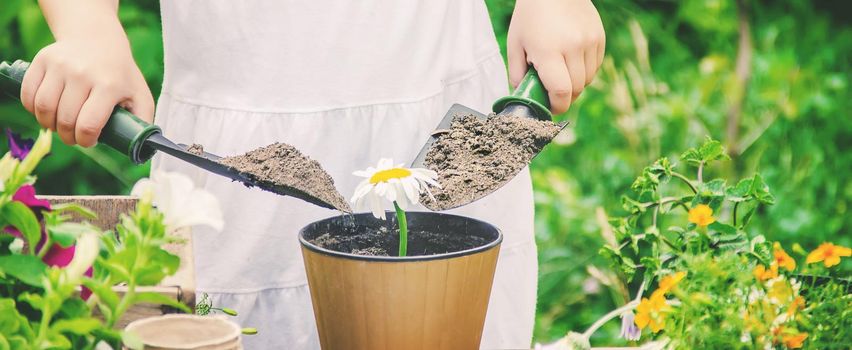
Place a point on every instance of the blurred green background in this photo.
(671, 76)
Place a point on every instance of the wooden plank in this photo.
(180, 286)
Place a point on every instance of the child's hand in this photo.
(73, 84)
(563, 39)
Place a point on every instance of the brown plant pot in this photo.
(187, 332)
(414, 302)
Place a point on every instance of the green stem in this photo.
(125, 303)
(46, 315)
(403, 230)
(612, 314)
(46, 247)
(685, 180)
(735, 213)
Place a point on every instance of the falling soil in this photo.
(280, 165)
(475, 156)
(370, 241)
(195, 149)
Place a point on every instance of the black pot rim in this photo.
(398, 259)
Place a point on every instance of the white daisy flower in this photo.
(392, 183)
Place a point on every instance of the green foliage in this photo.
(670, 79)
(39, 305)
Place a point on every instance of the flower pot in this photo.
(414, 302)
(187, 332)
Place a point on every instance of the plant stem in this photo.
(735, 213)
(403, 229)
(612, 314)
(125, 303)
(685, 180)
(46, 247)
(701, 172)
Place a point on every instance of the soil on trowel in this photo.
(195, 149)
(282, 165)
(475, 157)
(370, 241)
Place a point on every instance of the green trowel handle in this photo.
(123, 131)
(531, 93)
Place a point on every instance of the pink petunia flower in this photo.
(56, 256)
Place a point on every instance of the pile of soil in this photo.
(475, 156)
(280, 165)
(369, 241)
(195, 149)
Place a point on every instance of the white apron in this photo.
(346, 83)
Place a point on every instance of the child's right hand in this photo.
(73, 85)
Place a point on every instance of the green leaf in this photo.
(760, 191)
(9, 317)
(229, 311)
(709, 151)
(723, 228)
(78, 326)
(26, 268)
(740, 192)
(74, 308)
(249, 331)
(151, 274)
(132, 341)
(631, 205)
(34, 300)
(58, 341)
(65, 234)
(76, 208)
(157, 298)
(22, 217)
(104, 292)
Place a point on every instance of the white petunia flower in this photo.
(392, 183)
(182, 204)
(7, 168)
(85, 252)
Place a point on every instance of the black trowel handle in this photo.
(531, 94)
(123, 131)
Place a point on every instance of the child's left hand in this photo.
(563, 39)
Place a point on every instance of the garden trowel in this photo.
(139, 140)
(529, 100)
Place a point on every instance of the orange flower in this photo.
(652, 312)
(794, 341)
(782, 258)
(828, 253)
(763, 274)
(669, 282)
(701, 215)
(797, 304)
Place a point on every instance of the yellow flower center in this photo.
(389, 174)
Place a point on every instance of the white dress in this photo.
(345, 82)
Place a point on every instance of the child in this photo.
(344, 82)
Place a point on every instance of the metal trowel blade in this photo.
(210, 162)
(444, 126)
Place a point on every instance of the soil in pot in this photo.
(382, 241)
(475, 157)
(280, 164)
